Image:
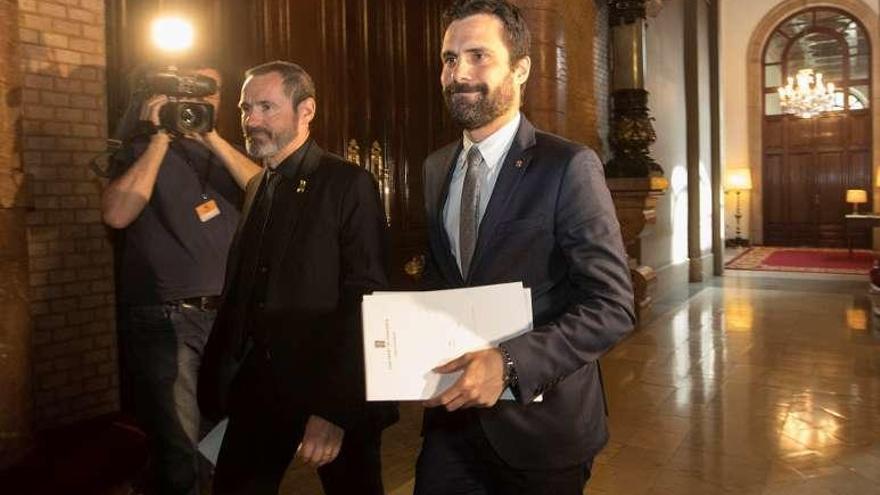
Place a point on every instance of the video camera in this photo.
(180, 115)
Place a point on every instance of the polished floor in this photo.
(742, 385)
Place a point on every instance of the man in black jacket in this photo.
(509, 203)
(311, 244)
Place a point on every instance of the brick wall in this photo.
(64, 125)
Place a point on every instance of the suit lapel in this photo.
(447, 262)
(232, 263)
(251, 189)
(515, 164)
(301, 190)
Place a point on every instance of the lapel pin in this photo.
(518, 163)
(302, 186)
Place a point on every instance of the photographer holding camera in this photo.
(175, 191)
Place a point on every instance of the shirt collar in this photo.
(495, 147)
(290, 166)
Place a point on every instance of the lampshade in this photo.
(856, 196)
(739, 179)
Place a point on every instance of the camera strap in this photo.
(203, 177)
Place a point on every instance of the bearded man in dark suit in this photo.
(511, 203)
(311, 243)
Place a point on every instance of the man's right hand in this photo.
(126, 196)
(321, 442)
(150, 108)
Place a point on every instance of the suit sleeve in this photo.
(364, 269)
(600, 309)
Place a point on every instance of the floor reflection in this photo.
(753, 387)
(764, 386)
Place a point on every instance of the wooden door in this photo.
(808, 166)
(809, 163)
(376, 67)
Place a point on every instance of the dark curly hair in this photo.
(517, 36)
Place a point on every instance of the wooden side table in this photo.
(853, 219)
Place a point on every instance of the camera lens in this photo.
(190, 117)
(187, 117)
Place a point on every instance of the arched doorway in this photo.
(808, 164)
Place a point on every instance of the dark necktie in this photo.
(252, 235)
(260, 213)
(254, 283)
(470, 206)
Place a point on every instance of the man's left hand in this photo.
(479, 385)
(321, 442)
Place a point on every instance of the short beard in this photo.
(269, 148)
(487, 107)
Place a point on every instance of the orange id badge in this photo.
(207, 210)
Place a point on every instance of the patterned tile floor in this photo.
(742, 385)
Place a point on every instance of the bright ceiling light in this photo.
(172, 34)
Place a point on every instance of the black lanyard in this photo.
(203, 177)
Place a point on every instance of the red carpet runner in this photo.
(814, 260)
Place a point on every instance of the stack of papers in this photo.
(408, 334)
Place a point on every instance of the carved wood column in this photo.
(561, 98)
(635, 200)
(635, 179)
(15, 325)
(560, 95)
(631, 130)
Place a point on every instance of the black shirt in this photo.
(169, 253)
(260, 235)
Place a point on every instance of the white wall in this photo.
(704, 70)
(738, 20)
(666, 242)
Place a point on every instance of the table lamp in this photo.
(856, 197)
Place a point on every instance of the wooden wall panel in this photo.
(800, 171)
(860, 130)
(830, 188)
(820, 158)
(829, 132)
(800, 133)
(376, 66)
(774, 137)
(775, 210)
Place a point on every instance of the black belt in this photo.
(204, 303)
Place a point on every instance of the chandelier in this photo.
(807, 95)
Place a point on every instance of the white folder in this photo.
(408, 334)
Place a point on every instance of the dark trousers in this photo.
(162, 346)
(262, 437)
(457, 459)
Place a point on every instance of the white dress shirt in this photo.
(494, 150)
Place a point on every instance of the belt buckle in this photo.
(201, 303)
(187, 305)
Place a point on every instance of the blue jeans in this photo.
(162, 346)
